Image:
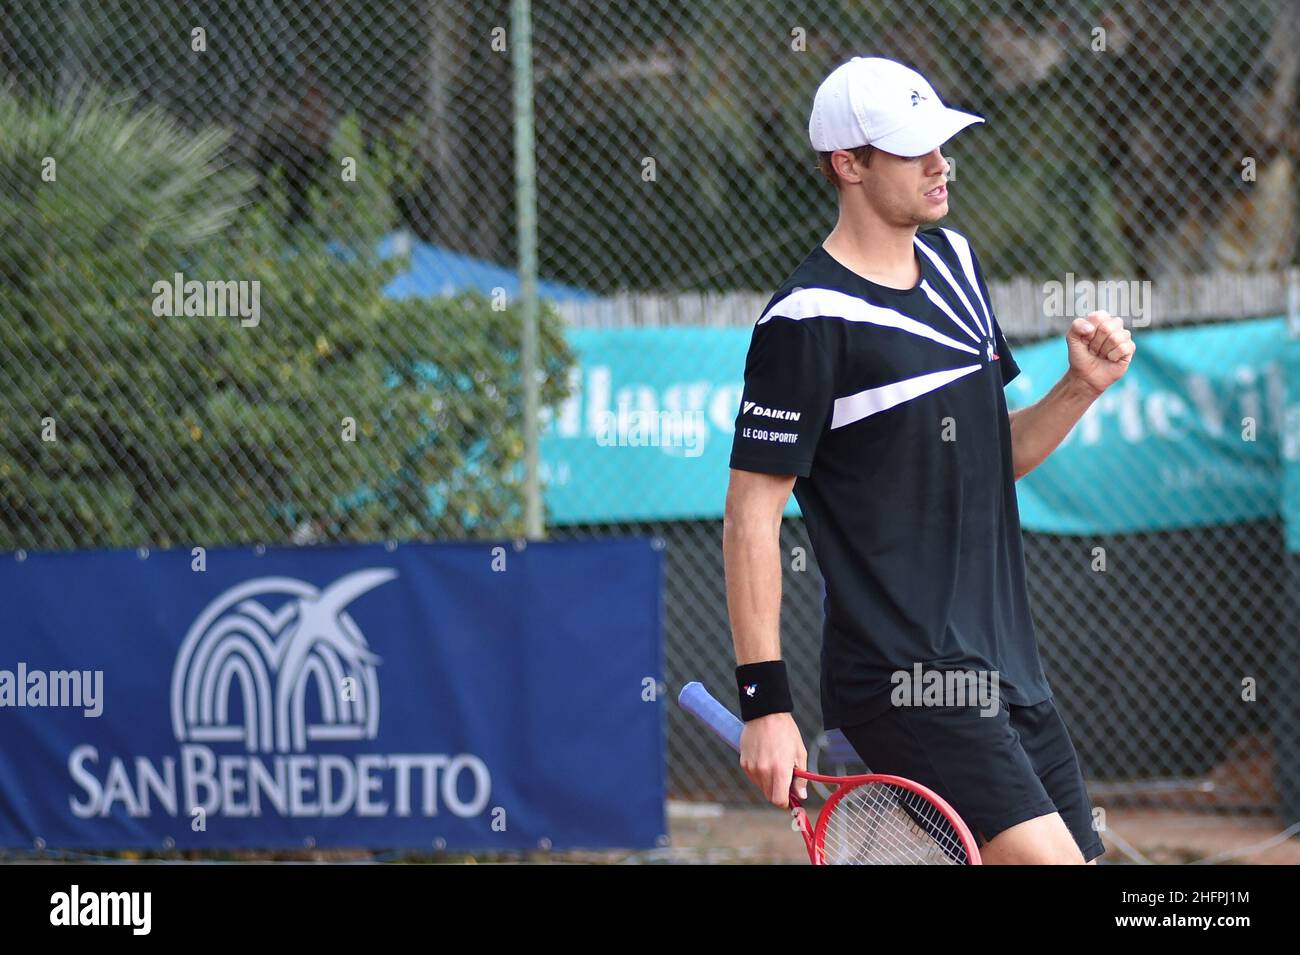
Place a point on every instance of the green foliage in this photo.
(1087, 160)
(339, 415)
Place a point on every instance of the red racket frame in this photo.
(814, 837)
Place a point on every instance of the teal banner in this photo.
(1188, 438)
(1290, 349)
(646, 434)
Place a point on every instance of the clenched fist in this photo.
(1100, 349)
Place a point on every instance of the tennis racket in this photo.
(867, 820)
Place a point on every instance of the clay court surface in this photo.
(714, 834)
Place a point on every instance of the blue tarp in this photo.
(435, 271)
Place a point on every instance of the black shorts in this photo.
(995, 771)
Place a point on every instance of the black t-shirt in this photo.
(888, 405)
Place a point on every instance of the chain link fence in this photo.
(346, 172)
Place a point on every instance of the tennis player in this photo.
(874, 390)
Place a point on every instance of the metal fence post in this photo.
(526, 218)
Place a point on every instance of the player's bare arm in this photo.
(1100, 350)
(771, 746)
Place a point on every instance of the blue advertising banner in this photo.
(428, 696)
(647, 432)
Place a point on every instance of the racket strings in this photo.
(880, 823)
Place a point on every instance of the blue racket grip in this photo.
(695, 699)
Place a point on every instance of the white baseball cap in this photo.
(871, 101)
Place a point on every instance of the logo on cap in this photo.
(917, 97)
